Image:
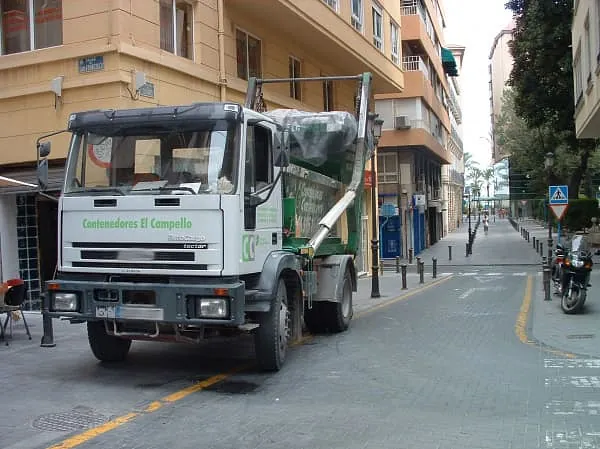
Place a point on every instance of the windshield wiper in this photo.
(166, 189)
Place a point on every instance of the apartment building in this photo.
(62, 56)
(586, 67)
(501, 63)
(420, 135)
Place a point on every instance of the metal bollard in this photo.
(434, 267)
(467, 250)
(410, 255)
(528, 236)
(422, 273)
(534, 241)
(547, 274)
(397, 264)
(541, 248)
(48, 337)
(449, 252)
(404, 276)
(418, 263)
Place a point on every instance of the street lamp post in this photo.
(377, 125)
(548, 164)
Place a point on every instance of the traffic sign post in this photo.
(559, 194)
(558, 202)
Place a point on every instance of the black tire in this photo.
(572, 307)
(272, 337)
(336, 316)
(106, 348)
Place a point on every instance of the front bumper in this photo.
(164, 303)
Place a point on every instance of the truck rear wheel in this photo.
(272, 337)
(331, 316)
(106, 348)
(336, 316)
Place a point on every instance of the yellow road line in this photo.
(407, 295)
(521, 323)
(94, 432)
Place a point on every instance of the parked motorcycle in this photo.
(557, 268)
(577, 268)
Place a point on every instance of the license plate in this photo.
(130, 313)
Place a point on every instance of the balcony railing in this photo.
(414, 64)
(457, 138)
(455, 107)
(457, 177)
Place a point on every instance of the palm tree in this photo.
(488, 175)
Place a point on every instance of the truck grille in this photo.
(138, 255)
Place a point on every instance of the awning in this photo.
(449, 62)
(25, 181)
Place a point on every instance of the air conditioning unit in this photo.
(401, 122)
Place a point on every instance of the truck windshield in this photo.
(136, 161)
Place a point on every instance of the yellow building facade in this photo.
(64, 56)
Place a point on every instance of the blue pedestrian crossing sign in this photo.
(559, 194)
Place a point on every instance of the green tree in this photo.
(542, 77)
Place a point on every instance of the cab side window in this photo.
(259, 165)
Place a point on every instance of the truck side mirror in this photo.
(281, 151)
(42, 174)
(44, 149)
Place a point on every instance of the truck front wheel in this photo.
(106, 348)
(272, 337)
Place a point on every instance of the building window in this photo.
(357, 14)
(328, 96)
(333, 4)
(21, 30)
(578, 75)
(176, 25)
(387, 168)
(295, 68)
(28, 249)
(598, 25)
(395, 45)
(377, 26)
(588, 49)
(248, 49)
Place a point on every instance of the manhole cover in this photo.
(580, 336)
(77, 419)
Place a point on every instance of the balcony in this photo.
(415, 64)
(328, 34)
(457, 138)
(455, 106)
(418, 136)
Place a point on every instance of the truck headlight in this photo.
(66, 302)
(213, 308)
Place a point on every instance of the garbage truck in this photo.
(178, 223)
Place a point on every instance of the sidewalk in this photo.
(500, 247)
(578, 334)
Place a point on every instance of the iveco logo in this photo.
(186, 238)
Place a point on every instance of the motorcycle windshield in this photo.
(580, 245)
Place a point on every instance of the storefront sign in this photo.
(368, 179)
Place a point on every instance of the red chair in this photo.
(13, 302)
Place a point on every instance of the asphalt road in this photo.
(453, 366)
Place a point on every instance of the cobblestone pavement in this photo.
(452, 365)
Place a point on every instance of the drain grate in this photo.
(77, 419)
(580, 336)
